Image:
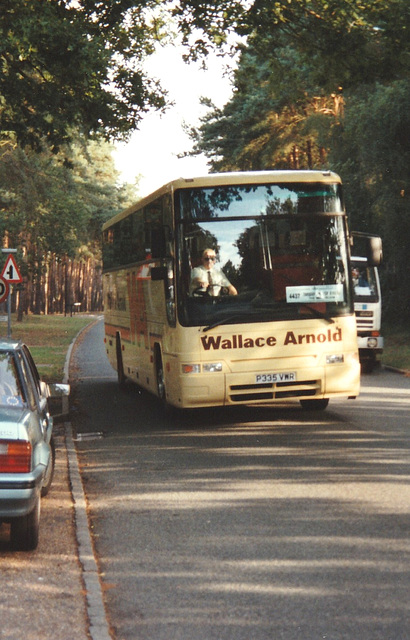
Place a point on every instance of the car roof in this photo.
(7, 344)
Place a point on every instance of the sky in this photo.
(152, 150)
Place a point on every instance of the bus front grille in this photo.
(364, 323)
(271, 391)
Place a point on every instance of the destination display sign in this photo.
(315, 293)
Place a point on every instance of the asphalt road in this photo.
(248, 523)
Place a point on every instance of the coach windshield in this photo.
(261, 253)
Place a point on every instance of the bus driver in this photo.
(210, 278)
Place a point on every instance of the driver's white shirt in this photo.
(218, 278)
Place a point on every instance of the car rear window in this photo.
(11, 392)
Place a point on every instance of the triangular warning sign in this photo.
(11, 271)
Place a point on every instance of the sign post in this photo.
(9, 275)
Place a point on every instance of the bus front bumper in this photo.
(218, 389)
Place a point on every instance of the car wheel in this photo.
(24, 531)
(315, 405)
(120, 366)
(48, 476)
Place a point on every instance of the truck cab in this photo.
(368, 310)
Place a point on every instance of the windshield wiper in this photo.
(315, 312)
(319, 314)
(222, 321)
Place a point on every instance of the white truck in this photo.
(368, 310)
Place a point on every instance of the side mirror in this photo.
(58, 399)
(59, 390)
(159, 273)
(374, 251)
(54, 390)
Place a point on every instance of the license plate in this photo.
(262, 378)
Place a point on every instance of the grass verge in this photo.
(48, 338)
(396, 347)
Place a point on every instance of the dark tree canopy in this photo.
(68, 66)
(320, 84)
(350, 41)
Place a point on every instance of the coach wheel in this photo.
(169, 411)
(315, 405)
(120, 366)
(160, 379)
(367, 365)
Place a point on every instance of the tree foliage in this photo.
(47, 208)
(348, 41)
(321, 83)
(75, 66)
(70, 72)
(370, 151)
(277, 117)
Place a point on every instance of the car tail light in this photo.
(15, 456)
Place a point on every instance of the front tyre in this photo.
(169, 410)
(24, 531)
(120, 366)
(48, 476)
(162, 395)
(368, 365)
(315, 405)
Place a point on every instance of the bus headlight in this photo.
(191, 368)
(335, 358)
(212, 367)
(208, 367)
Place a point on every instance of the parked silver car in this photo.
(27, 452)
